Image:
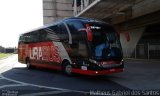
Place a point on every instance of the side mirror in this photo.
(88, 33)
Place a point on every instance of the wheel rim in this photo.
(68, 69)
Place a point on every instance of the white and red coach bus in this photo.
(73, 45)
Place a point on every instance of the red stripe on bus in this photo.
(47, 66)
(91, 72)
(80, 71)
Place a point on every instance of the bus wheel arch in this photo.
(66, 67)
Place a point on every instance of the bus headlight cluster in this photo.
(93, 61)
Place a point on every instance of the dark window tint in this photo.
(63, 34)
(62, 28)
(21, 39)
(34, 36)
(25, 38)
(102, 33)
(54, 29)
(58, 31)
(74, 25)
(42, 35)
(83, 50)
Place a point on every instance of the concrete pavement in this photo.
(139, 74)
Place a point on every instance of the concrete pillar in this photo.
(129, 46)
(54, 10)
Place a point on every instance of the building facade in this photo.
(54, 10)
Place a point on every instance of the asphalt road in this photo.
(17, 80)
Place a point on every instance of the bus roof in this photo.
(82, 19)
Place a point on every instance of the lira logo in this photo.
(46, 53)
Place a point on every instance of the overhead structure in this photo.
(132, 18)
(117, 11)
(101, 9)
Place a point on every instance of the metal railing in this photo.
(80, 5)
(146, 51)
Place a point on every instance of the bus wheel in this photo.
(67, 68)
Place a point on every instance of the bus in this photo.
(74, 45)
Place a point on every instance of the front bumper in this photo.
(98, 72)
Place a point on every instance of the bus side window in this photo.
(52, 33)
(61, 31)
(34, 37)
(54, 28)
(82, 49)
(24, 38)
(42, 35)
(74, 36)
(63, 34)
(27, 38)
(74, 45)
(21, 39)
(73, 27)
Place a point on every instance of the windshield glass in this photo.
(105, 43)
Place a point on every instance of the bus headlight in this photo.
(93, 61)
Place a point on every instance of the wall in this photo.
(54, 10)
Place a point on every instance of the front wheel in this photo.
(67, 68)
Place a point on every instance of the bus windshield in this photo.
(105, 42)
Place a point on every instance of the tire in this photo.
(67, 68)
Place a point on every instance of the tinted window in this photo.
(34, 36)
(74, 25)
(105, 43)
(102, 33)
(63, 32)
(54, 29)
(42, 35)
(58, 31)
(83, 51)
(25, 38)
(62, 29)
(21, 39)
